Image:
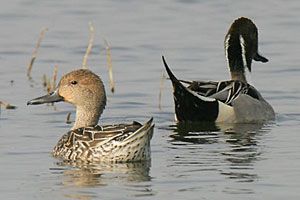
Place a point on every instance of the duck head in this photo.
(241, 46)
(83, 89)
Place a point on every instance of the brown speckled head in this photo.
(81, 88)
(84, 90)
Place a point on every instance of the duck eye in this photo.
(73, 82)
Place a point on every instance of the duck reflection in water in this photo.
(78, 176)
(84, 174)
(236, 146)
(208, 132)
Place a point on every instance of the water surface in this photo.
(203, 162)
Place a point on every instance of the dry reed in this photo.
(44, 79)
(90, 45)
(109, 65)
(35, 51)
(48, 86)
(68, 120)
(7, 105)
(54, 78)
(47, 83)
(161, 86)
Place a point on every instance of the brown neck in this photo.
(87, 116)
(240, 76)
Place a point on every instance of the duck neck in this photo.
(237, 55)
(238, 75)
(87, 116)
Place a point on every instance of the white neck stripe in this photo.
(226, 44)
(242, 43)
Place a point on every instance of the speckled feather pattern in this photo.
(87, 141)
(110, 143)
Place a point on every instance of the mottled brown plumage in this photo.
(87, 141)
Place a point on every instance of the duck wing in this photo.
(112, 143)
(224, 91)
(98, 135)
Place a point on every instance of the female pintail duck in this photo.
(233, 101)
(90, 142)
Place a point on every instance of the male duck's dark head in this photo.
(241, 46)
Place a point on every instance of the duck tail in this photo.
(170, 73)
(190, 106)
(138, 143)
(146, 129)
(177, 84)
(131, 147)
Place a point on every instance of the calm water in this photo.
(206, 162)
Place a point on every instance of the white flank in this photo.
(242, 43)
(226, 44)
(226, 113)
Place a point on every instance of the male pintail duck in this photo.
(233, 101)
(90, 142)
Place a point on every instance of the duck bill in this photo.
(49, 98)
(258, 57)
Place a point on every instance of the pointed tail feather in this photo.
(171, 75)
(177, 85)
(147, 128)
(190, 106)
